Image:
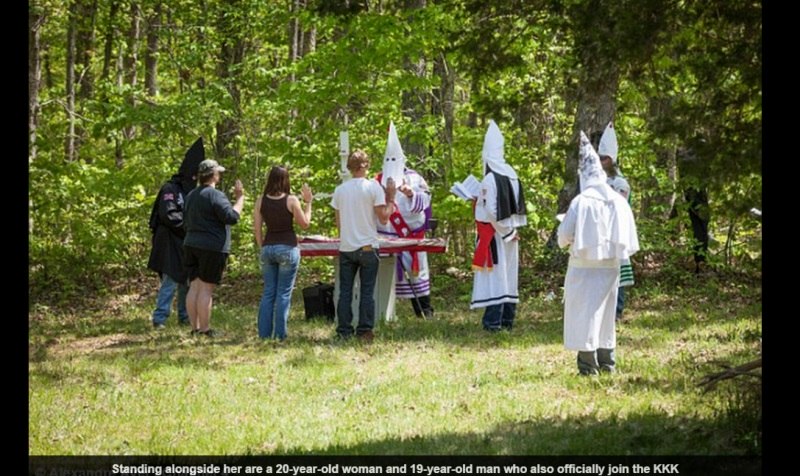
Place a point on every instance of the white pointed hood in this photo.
(608, 143)
(589, 168)
(394, 160)
(599, 220)
(492, 154)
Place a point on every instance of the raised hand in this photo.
(238, 189)
(391, 190)
(307, 195)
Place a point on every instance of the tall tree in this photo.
(231, 55)
(414, 101)
(610, 39)
(36, 17)
(84, 45)
(69, 145)
(111, 32)
(598, 80)
(151, 53)
(443, 106)
(130, 74)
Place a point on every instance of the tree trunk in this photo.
(295, 41)
(666, 159)
(295, 35)
(69, 145)
(48, 71)
(120, 69)
(231, 55)
(597, 90)
(84, 46)
(151, 53)
(414, 102)
(443, 105)
(472, 118)
(35, 21)
(309, 40)
(131, 63)
(185, 73)
(134, 34)
(108, 50)
(119, 158)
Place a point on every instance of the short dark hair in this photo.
(277, 181)
(205, 178)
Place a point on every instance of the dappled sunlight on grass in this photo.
(108, 383)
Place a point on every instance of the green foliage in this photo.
(515, 62)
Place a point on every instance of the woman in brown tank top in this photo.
(277, 210)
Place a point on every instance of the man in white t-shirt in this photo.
(359, 203)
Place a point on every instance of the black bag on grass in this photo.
(318, 301)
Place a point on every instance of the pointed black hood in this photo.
(191, 161)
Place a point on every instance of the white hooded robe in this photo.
(600, 231)
(500, 284)
(412, 210)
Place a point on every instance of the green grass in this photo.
(103, 382)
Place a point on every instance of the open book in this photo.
(468, 189)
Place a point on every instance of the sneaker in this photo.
(588, 372)
(158, 326)
(184, 322)
(210, 333)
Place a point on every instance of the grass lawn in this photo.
(102, 381)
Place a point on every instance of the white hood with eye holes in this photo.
(394, 160)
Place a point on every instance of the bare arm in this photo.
(385, 211)
(238, 192)
(301, 216)
(338, 223)
(258, 224)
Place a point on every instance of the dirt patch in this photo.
(88, 345)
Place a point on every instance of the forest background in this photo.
(119, 89)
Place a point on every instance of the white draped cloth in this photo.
(413, 211)
(498, 285)
(600, 232)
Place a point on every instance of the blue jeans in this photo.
(279, 265)
(164, 300)
(350, 263)
(620, 301)
(499, 316)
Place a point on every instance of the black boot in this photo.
(422, 306)
(606, 358)
(587, 363)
